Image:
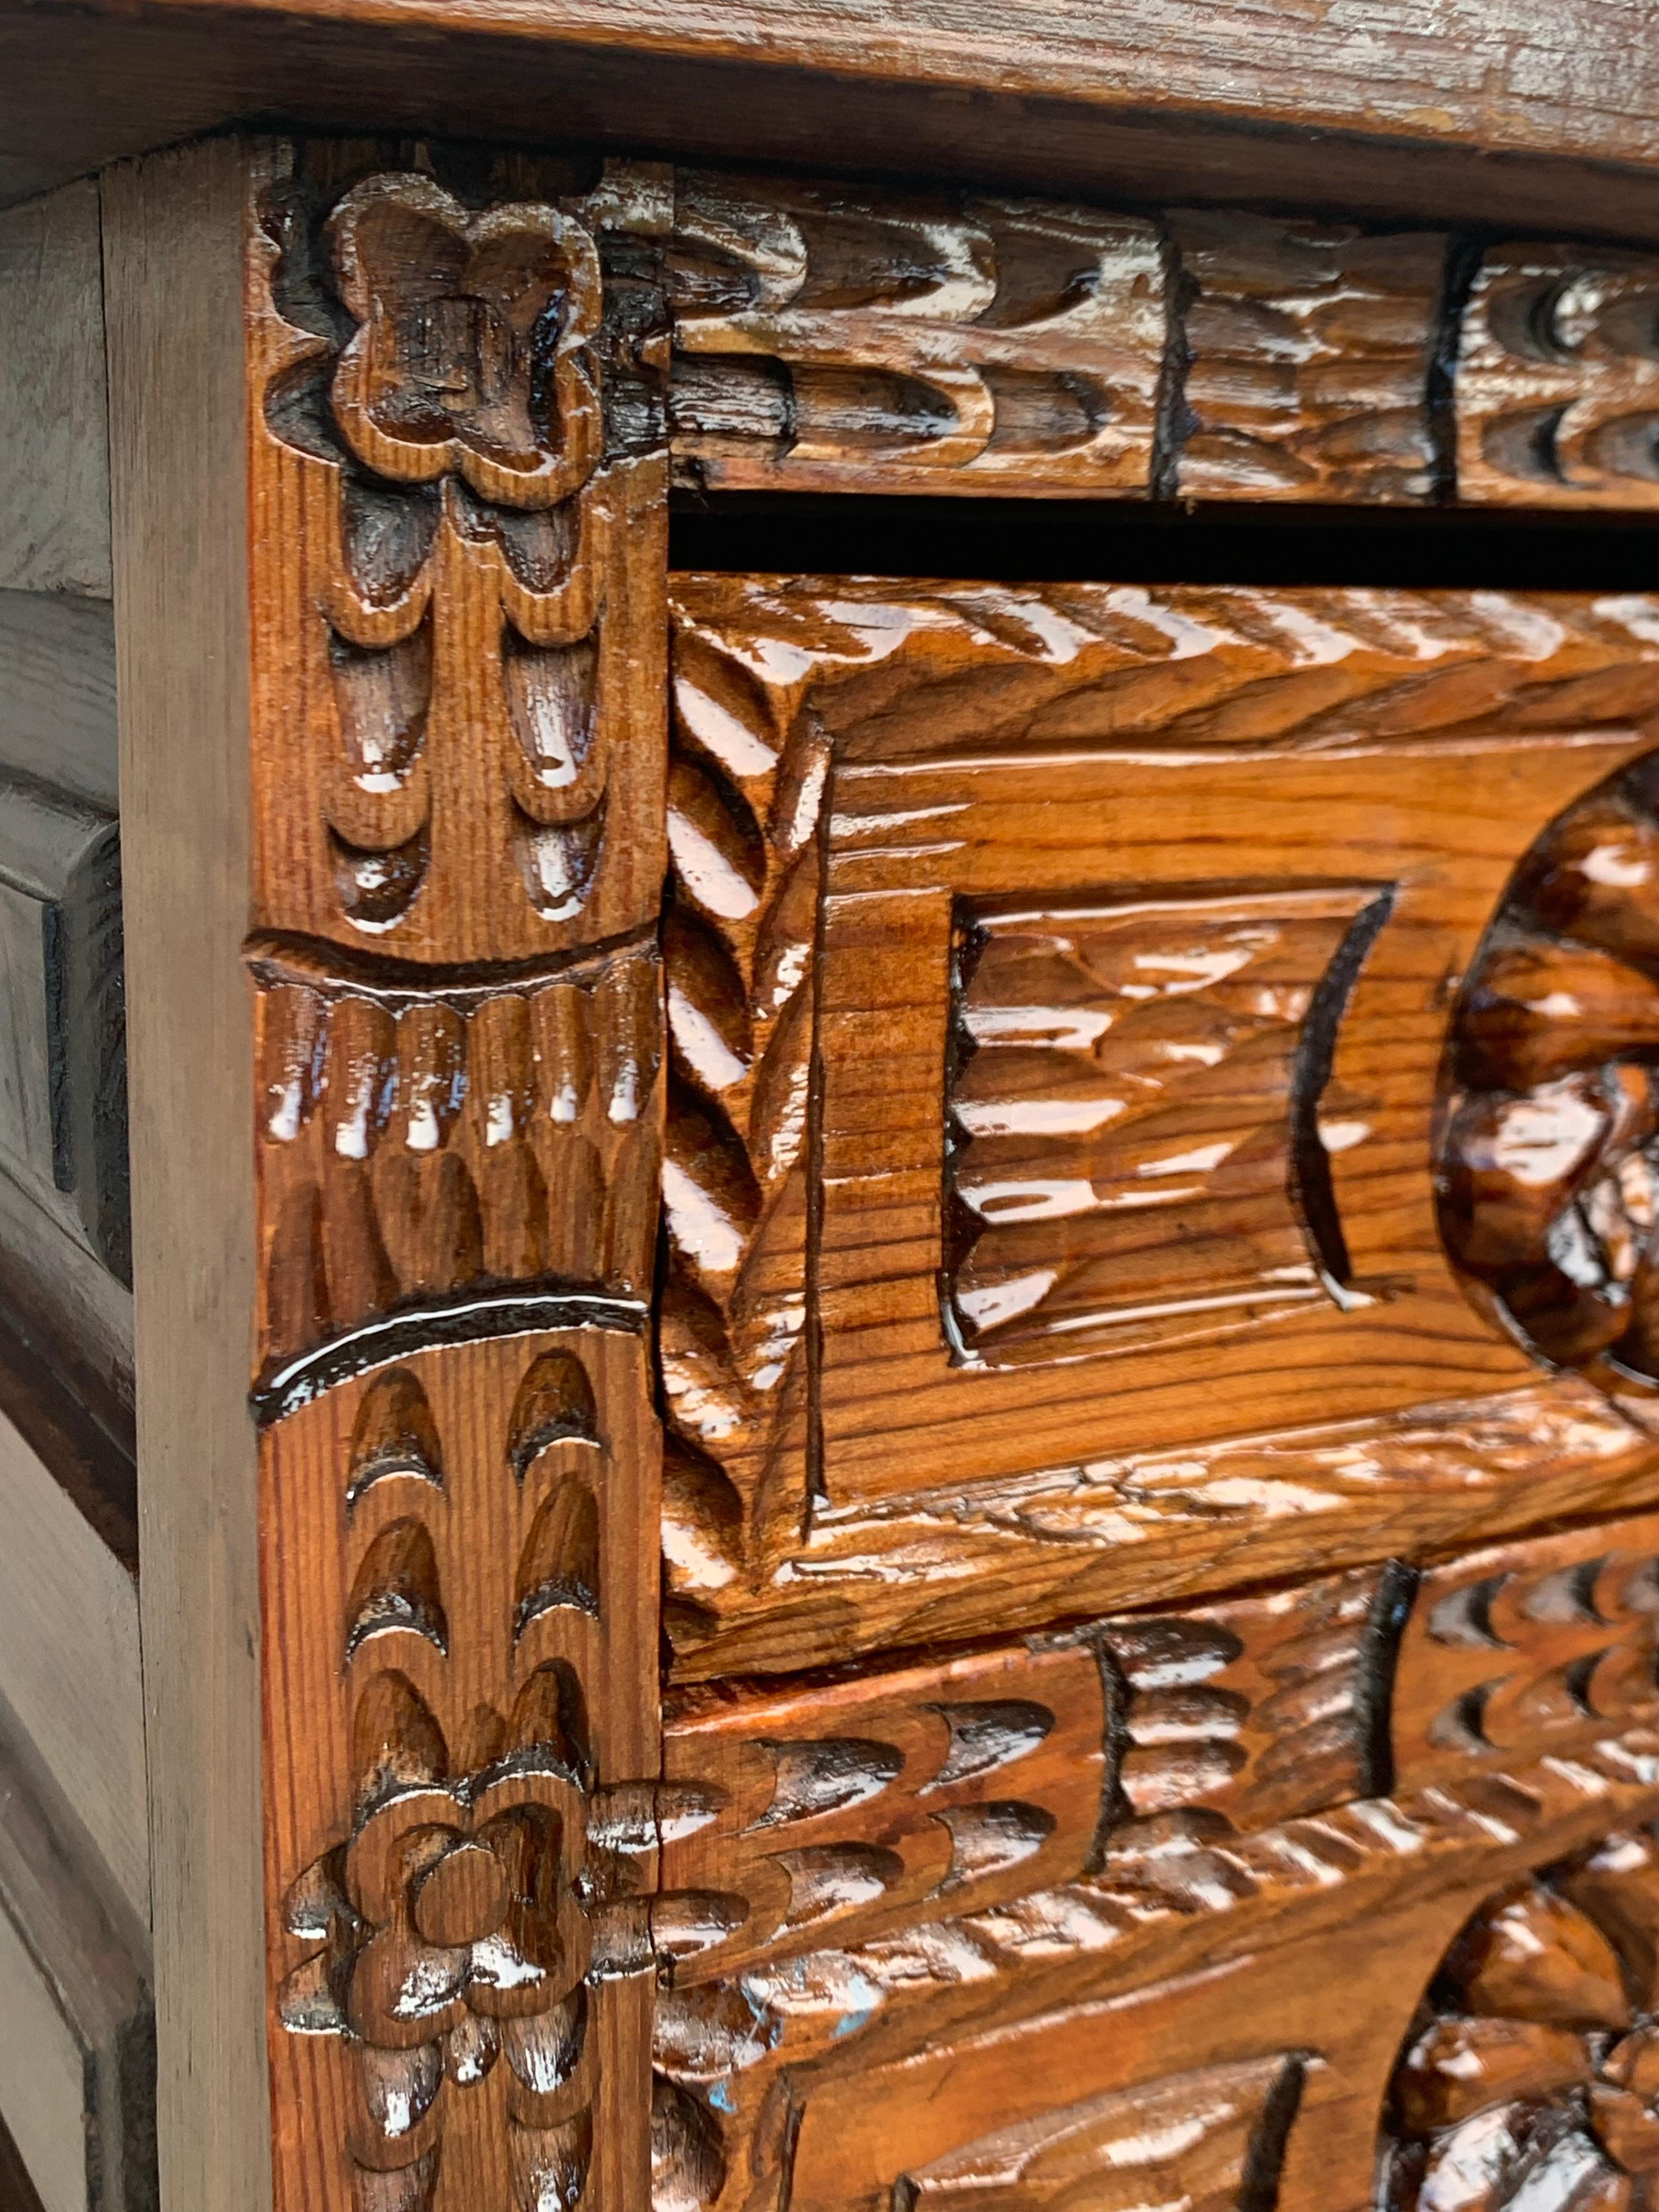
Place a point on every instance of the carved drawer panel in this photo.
(1060, 985)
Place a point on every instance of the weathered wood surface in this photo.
(1338, 108)
(70, 1666)
(77, 2048)
(173, 231)
(54, 446)
(57, 692)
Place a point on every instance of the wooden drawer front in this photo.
(1060, 988)
(1168, 1909)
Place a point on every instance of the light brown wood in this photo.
(173, 241)
(54, 448)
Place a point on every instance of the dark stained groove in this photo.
(283, 1388)
(1312, 1190)
(276, 957)
(1462, 264)
(1126, 541)
(1396, 1593)
(1258, 2188)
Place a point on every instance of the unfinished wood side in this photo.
(70, 1660)
(54, 451)
(173, 230)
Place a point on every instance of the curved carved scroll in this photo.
(1530, 2076)
(1549, 1175)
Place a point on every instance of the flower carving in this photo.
(456, 1943)
(468, 358)
(1531, 2075)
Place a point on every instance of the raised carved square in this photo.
(1134, 1136)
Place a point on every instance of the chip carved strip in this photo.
(457, 477)
(795, 2082)
(839, 338)
(1557, 378)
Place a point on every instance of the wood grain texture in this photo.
(1350, 110)
(460, 1609)
(174, 241)
(957, 2051)
(971, 948)
(63, 1033)
(70, 1661)
(825, 339)
(458, 479)
(437, 779)
(1308, 348)
(54, 442)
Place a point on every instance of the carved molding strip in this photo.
(1297, 1954)
(836, 337)
(457, 477)
(817, 1810)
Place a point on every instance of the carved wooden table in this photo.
(897, 1329)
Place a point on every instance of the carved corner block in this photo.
(458, 475)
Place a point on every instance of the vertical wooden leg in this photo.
(451, 437)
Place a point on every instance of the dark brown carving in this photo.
(457, 1926)
(457, 479)
(826, 336)
(1547, 1175)
(1557, 378)
(1308, 348)
(1529, 2075)
(415, 1145)
(465, 450)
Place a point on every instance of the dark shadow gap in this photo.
(1128, 541)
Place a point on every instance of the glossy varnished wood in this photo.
(998, 915)
(1110, 1062)
(457, 487)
